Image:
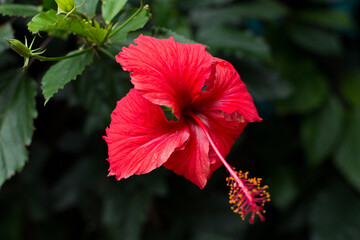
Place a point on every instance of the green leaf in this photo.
(49, 20)
(310, 87)
(89, 8)
(347, 159)
(95, 34)
(5, 32)
(63, 72)
(21, 10)
(316, 40)
(138, 22)
(350, 88)
(17, 111)
(235, 13)
(242, 42)
(334, 214)
(110, 8)
(160, 32)
(330, 19)
(321, 130)
(43, 21)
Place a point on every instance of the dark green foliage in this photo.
(300, 61)
(17, 111)
(20, 10)
(63, 72)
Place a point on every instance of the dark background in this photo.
(300, 61)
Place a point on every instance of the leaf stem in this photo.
(107, 53)
(128, 20)
(42, 58)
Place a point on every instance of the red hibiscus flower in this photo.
(211, 107)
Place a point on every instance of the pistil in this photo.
(246, 195)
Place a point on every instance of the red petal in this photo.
(140, 138)
(192, 162)
(224, 129)
(226, 92)
(166, 72)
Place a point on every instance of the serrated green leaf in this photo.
(350, 88)
(17, 111)
(21, 10)
(43, 21)
(89, 8)
(242, 42)
(110, 8)
(320, 131)
(63, 72)
(138, 22)
(347, 159)
(5, 32)
(166, 33)
(330, 19)
(94, 34)
(49, 20)
(316, 40)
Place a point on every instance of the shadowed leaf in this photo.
(110, 8)
(5, 32)
(347, 158)
(21, 10)
(320, 131)
(17, 111)
(138, 22)
(89, 8)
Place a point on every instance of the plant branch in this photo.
(42, 58)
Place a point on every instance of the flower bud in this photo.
(146, 7)
(65, 6)
(19, 47)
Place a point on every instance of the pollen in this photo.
(247, 196)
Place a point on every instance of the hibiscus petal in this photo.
(140, 138)
(167, 72)
(192, 162)
(226, 92)
(224, 129)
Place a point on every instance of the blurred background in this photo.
(299, 60)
